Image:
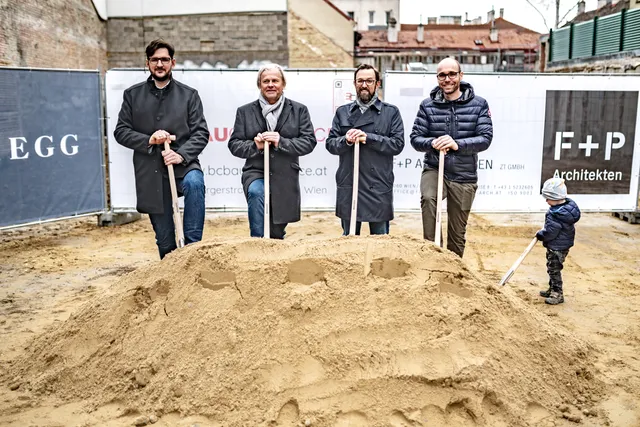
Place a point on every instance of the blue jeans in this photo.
(255, 202)
(192, 187)
(374, 227)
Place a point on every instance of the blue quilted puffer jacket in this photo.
(467, 120)
(559, 231)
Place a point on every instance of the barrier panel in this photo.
(584, 127)
(51, 145)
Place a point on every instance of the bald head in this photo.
(449, 63)
(449, 77)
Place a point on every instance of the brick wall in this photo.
(228, 38)
(52, 34)
(310, 48)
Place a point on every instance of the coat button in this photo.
(158, 118)
(371, 188)
(270, 173)
(372, 169)
(272, 156)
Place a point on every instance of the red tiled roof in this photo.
(510, 37)
(605, 10)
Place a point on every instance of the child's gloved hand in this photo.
(540, 235)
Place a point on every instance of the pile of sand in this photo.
(348, 331)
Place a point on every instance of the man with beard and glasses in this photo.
(378, 127)
(153, 112)
(454, 120)
(286, 126)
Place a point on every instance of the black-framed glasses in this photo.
(368, 82)
(164, 60)
(452, 75)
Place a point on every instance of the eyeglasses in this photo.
(452, 75)
(368, 82)
(164, 60)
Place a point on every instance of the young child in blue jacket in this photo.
(557, 235)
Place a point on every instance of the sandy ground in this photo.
(49, 271)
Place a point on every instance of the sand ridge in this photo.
(371, 331)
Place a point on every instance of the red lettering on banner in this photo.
(319, 131)
(220, 134)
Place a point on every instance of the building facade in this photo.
(498, 45)
(369, 14)
(102, 34)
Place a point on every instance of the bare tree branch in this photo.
(568, 12)
(538, 10)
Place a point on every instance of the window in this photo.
(351, 15)
(388, 16)
(372, 14)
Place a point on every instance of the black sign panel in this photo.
(51, 152)
(589, 138)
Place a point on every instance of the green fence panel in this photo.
(608, 34)
(631, 38)
(582, 40)
(560, 44)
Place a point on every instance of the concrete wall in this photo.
(137, 8)
(361, 9)
(52, 34)
(310, 48)
(226, 38)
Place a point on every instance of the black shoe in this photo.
(546, 294)
(555, 298)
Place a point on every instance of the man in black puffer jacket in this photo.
(458, 122)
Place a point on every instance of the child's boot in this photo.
(554, 298)
(546, 294)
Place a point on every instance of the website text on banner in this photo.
(51, 155)
(529, 114)
(585, 129)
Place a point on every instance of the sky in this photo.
(516, 11)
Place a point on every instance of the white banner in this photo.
(602, 178)
(222, 92)
(510, 171)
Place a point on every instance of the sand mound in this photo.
(342, 332)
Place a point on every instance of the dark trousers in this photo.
(381, 227)
(255, 203)
(193, 190)
(459, 197)
(555, 263)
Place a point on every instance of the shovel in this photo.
(438, 233)
(516, 264)
(267, 193)
(356, 179)
(177, 219)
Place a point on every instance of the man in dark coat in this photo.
(458, 122)
(286, 126)
(378, 127)
(151, 113)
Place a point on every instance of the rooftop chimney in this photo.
(493, 33)
(502, 12)
(466, 17)
(601, 3)
(420, 35)
(491, 15)
(392, 31)
(432, 20)
(582, 7)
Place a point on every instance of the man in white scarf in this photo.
(286, 126)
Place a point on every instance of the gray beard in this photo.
(367, 96)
